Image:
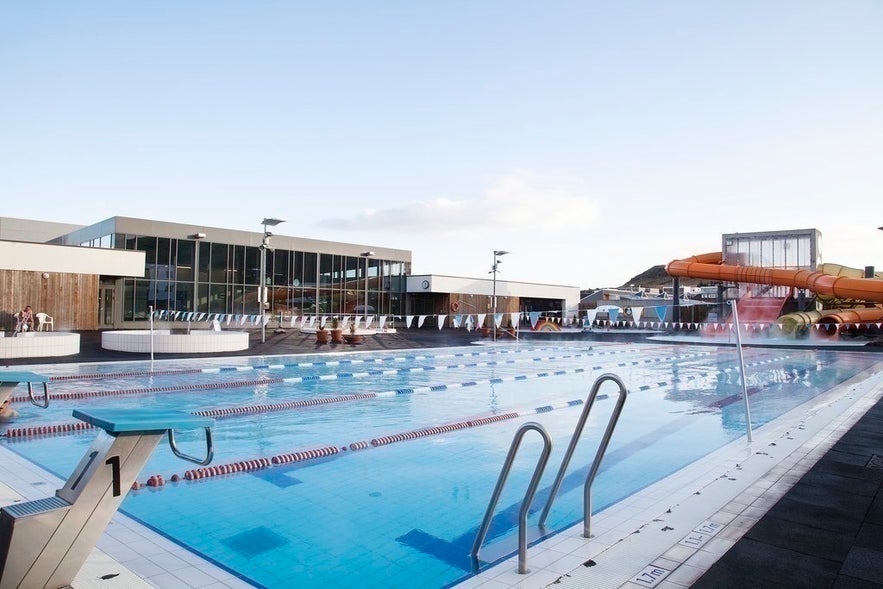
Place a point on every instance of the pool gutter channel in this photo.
(670, 533)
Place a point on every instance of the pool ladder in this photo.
(559, 478)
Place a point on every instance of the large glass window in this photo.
(201, 276)
(184, 260)
(217, 298)
(183, 297)
(205, 258)
(278, 271)
(326, 265)
(140, 306)
(128, 300)
(310, 270)
(218, 266)
(252, 265)
(237, 265)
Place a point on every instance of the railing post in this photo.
(742, 370)
(599, 455)
(525, 503)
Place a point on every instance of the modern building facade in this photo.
(439, 295)
(214, 270)
(209, 270)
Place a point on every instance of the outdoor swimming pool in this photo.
(405, 509)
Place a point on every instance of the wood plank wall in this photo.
(70, 299)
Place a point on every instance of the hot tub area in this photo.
(39, 344)
(166, 342)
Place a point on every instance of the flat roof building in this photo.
(210, 270)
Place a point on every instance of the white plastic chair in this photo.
(43, 320)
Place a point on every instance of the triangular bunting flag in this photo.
(660, 312)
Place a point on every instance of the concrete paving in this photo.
(827, 531)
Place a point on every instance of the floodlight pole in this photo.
(494, 271)
(262, 289)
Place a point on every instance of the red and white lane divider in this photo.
(265, 408)
(207, 386)
(102, 375)
(302, 403)
(42, 430)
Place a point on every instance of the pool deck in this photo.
(802, 506)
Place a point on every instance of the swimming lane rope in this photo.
(325, 451)
(173, 371)
(76, 395)
(303, 403)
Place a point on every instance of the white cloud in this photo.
(516, 202)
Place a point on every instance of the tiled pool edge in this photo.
(731, 487)
(141, 557)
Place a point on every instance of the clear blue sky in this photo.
(592, 140)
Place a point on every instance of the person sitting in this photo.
(25, 320)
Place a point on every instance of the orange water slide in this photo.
(711, 267)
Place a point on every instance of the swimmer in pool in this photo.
(7, 413)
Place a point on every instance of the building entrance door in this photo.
(105, 305)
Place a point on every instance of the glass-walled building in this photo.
(793, 249)
(213, 270)
(796, 249)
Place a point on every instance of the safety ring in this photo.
(455, 306)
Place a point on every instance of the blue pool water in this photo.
(406, 513)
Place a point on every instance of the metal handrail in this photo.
(599, 455)
(742, 374)
(528, 496)
(201, 461)
(45, 402)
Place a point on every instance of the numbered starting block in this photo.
(44, 543)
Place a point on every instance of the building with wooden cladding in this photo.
(61, 281)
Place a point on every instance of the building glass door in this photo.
(105, 306)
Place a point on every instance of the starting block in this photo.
(44, 543)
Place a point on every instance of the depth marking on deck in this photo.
(651, 576)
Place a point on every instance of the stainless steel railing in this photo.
(528, 496)
(599, 455)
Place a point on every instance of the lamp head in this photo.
(500, 252)
(272, 221)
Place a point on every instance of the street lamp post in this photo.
(494, 271)
(365, 308)
(262, 289)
